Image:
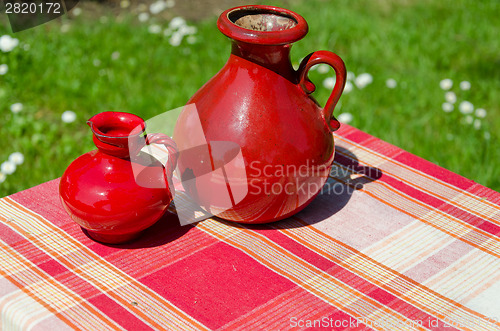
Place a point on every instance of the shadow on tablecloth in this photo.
(346, 177)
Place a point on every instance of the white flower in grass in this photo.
(446, 84)
(154, 29)
(115, 55)
(391, 83)
(176, 22)
(350, 75)
(348, 87)
(465, 85)
(477, 124)
(175, 39)
(143, 17)
(363, 80)
(157, 7)
(466, 107)
(450, 97)
(65, 28)
(68, 116)
(26, 47)
(481, 113)
(323, 68)
(7, 43)
(191, 40)
(170, 3)
(345, 118)
(76, 11)
(487, 135)
(2, 177)
(96, 62)
(329, 82)
(469, 119)
(17, 158)
(8, 168)
(16, 107)
(3, 69)
(188, 30)
(447, 107)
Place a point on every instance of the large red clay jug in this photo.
(257, 147)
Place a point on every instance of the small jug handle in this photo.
(308, 87)
(170, 145)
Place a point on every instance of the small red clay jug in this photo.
(117, 191)
(260, 104)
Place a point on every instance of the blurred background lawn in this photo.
(118, 56)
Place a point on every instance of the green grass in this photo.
(418, 43)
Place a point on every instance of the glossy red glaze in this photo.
(258, 102)
(109, 195)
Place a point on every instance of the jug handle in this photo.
(308, 87)
(170, 145)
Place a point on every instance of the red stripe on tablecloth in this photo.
(296, 305)
(146, 262)
(341, 273)
(119, 313)
(434, 170)
(218, 284)
(487, 194)
(476, 221)
(342, 316)
(354, 134)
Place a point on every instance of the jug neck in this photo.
(117, 133)
(263, 35)
(272, 57)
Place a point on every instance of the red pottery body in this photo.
(260, 104)
(106, 193)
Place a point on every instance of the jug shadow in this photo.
(346, 177)
(164, 231)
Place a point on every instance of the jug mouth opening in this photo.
(116, 125)
(116, 132)
(261, 20)
(267, 25)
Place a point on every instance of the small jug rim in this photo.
(277, 37)
(136, 131)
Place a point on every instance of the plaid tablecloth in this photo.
(394, 243)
